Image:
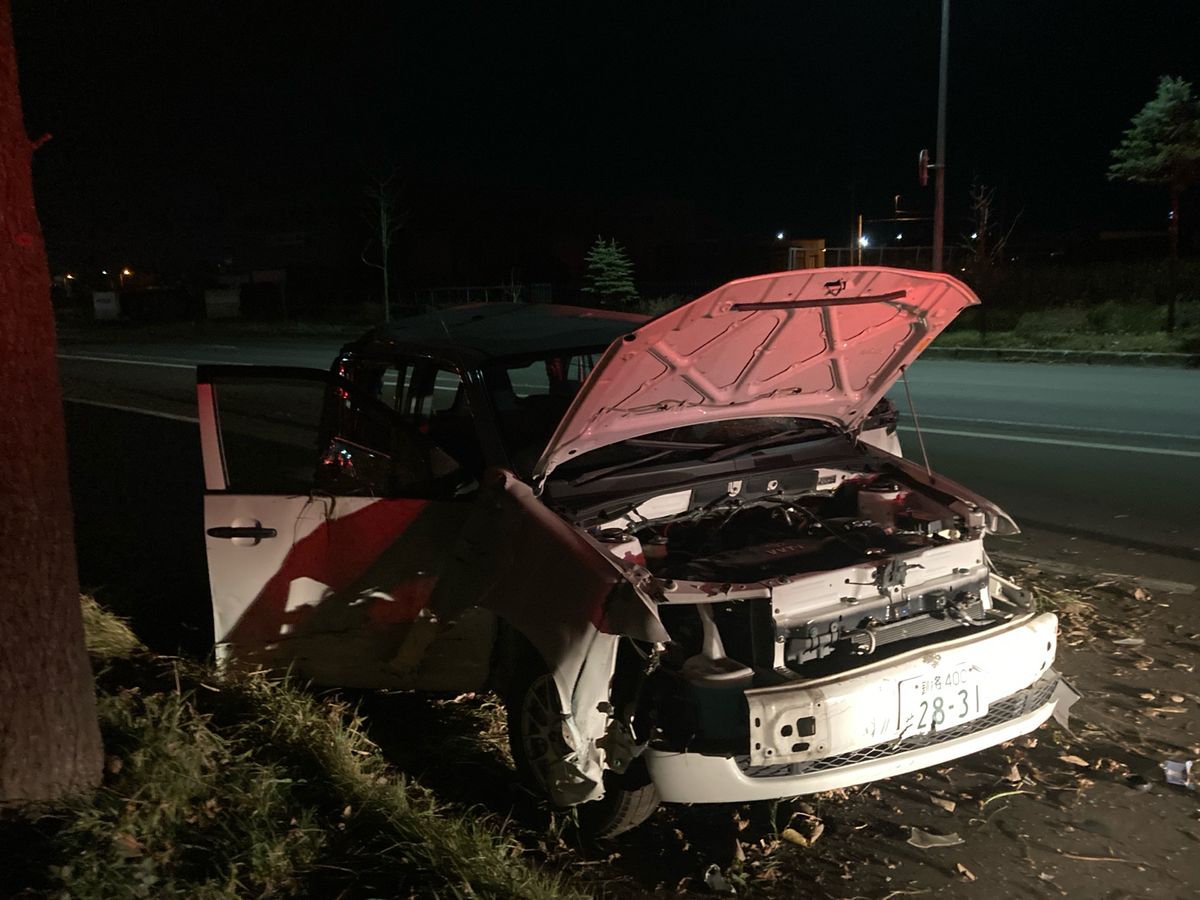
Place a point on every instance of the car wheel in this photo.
(539, 740)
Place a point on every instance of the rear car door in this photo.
(329, 515)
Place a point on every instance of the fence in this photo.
(895, 256)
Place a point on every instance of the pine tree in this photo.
(610, 273)
(1162, 147)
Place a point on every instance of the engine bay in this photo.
(783, 524)
(791, 575)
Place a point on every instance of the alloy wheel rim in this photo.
(543, 732)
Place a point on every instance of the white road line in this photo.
(133, 409)
(1055, 442)
(1054, 427)
(128, 362)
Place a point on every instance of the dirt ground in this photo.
(1083, 812)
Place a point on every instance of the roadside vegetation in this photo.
(1119, 306)
(248, 787)
(1111, 325)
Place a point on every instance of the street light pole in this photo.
(939, 185)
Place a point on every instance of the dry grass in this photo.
(252, 787)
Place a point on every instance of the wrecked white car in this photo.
(686, 550)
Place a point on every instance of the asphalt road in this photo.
(1098, 451)
(1090, 453)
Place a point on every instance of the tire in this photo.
(538, 739)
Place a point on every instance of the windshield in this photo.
(703, 442)
(530, 396)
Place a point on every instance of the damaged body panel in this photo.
(516, 558)
(687, 551)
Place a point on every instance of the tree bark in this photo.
(49, 736)
(1173, 265)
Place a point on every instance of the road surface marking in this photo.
(1056, 442)
(1148, 434)
(133, 409)
(128, 362)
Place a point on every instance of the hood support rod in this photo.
(916, 421)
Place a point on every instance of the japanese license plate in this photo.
(936, 701)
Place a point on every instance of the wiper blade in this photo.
(770, 440)
(665, 446)
(595, 474)
(668, 443)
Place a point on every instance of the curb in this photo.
(1053, 565)
(1085, 357)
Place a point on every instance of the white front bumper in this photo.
(856, 717)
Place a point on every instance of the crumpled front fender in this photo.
(569, 598)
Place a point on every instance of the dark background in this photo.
(190, 133)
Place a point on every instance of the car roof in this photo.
(478, 332)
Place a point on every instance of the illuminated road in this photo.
(1088, 451)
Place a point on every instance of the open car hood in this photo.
(823, 344)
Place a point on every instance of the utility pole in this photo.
(939, 185)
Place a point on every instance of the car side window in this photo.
(437, 402)
(530, 397)
(402, 429)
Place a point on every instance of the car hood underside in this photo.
(823, 344)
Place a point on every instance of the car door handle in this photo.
(256, 532)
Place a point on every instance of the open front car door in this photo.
(328, 518)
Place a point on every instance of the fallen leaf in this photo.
(1013, 775)
(817, 830)
(128, 846)
(1129, 641)
(792, 836)
(1146, 695)
(944, 802)
(1177, 698)
(964, 872)
(1167, 710)
(925, 840)
(1075, 761)
(1141, 594)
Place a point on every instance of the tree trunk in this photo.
(1173, 265)
(49, 736)
(385, 238)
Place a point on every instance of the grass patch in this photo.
(250, 787)
(1072, 340)
(1111, 325)
(106, 635)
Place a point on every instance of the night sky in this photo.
(179, 128)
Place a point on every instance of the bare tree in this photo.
(49, 735)
(386, 218)
(988, 238)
